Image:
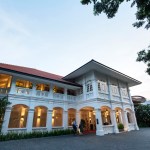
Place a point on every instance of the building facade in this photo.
(42, 101)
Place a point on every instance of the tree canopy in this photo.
(110, 8)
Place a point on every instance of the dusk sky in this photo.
(60, 36)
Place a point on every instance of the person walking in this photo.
(74, 126)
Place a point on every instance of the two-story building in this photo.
(42, 101)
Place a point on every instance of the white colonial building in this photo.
(42, 101)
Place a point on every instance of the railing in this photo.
(39, 129)
(89, 95)
(58, 96)
(71, 97)
(103, 95)
(17, 130)
(131, 126)
(4, 90)
(24, 91)
(42, 93)
(79, 97)
(108, 129)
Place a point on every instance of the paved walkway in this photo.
(134, 140)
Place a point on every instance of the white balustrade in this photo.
(79, 97)
(71, 97)
(58, 96)
(4, 91)
(108, 129)
(42, 93)
(23, 91)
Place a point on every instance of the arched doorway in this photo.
(87, 115)
(71, 116)
(40, 116)
(18, 117)
(119, 118)
(106, 117)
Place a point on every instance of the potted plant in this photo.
(120, 127)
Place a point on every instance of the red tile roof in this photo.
(35, 72)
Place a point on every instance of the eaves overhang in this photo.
(101, 68)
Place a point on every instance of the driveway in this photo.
(134, 140)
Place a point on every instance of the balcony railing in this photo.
(42, 93)
(4, 90)
(23, 91)
(58, 96)
(71, 97)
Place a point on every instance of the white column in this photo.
(65, 93)
(51, 91)
(125, 120)
(114, 122)
(95, 89)
(78, 117)
(30, 120)
(65, 119)
(84, 91)
(109, 88)
(120, 117)
(6, 120)
(13, 86)
(99, 126)
(135, 121)
(130, 98)
(119, 88)
(49, 120)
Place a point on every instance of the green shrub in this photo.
(38, 134)
(120, 126)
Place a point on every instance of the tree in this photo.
(143, 115)
(110, 8)
(144, 56)
(3, 104)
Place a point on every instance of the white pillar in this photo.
(30, 120)
(95, 89)
(65, 119)
(78, 117)
(84, 91)
(49, 120)
(120, 117)
(135, 121)
(6, 120)
(99, 125)
(109, 88)
(114, 122)
(125, 120)
(65, 93)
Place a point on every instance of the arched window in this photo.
(129, 117)
(40, 116)
(71, 116)
(106, 119)
(18, 117)
(57, 117)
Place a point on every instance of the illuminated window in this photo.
(42, 87)
(58, 90)
(24, 84)
(71, 92)
(5, 81)
(106, 117)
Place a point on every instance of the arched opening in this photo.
(87, 115)
(40, 116)
(71, 116)
(129, 117)
(106, 118)
(18, 117)
(118, 115)
(57, 117)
